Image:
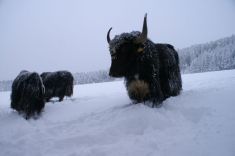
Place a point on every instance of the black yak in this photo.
(151, 70)
(57, 84)
(27, 96)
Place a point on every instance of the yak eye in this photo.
(114, 57)
(113, 51)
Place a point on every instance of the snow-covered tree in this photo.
(216, 55)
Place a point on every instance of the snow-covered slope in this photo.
(101, 121)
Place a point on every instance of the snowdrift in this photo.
(100, 120)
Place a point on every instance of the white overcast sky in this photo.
(49, 35)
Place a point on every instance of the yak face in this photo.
(125, 58)
(125, 51)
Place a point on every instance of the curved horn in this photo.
(108, 37)
(144, 34)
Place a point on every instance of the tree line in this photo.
(212, 56)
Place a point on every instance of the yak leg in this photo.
(47, 99)
(157, 95)
(61, 98)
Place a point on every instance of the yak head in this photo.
(125, 50)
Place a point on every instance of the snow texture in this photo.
(118, 40)
(100, 120)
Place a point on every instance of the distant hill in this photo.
(92, 77)
(79, 78)
(212, 56)
(5, 85)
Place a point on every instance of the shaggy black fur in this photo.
(155, 64)
(27, 94)
(57, 84)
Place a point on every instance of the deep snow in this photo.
(100, 120)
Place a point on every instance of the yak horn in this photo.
(144, 34)
(108, 37)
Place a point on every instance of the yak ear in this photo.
(140, 50)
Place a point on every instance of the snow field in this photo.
(100, 120)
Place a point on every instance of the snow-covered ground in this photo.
(100, 120)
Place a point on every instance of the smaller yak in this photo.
(57, 84)
(151, 71)
(27, 96)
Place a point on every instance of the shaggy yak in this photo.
(151, 70)
(27, 94)
(57, 84)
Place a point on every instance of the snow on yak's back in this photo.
(27, 96)
(151, 70)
